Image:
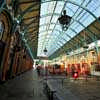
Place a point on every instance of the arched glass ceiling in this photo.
(51, 36)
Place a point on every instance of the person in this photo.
(86, 72)
(75, 76)
(66, 73)
(72, 71)
(38, 71)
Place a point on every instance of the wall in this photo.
(14, 57)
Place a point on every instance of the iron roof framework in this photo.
(26, 16)
(51, 36)
(40, 28)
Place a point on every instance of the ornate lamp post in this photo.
(64, 20)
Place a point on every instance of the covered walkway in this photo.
(59, 39)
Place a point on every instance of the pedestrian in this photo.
(38, 71)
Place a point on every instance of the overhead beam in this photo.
(26, 2)
(32, 17)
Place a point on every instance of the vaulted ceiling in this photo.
(40, 27)
(51, 35)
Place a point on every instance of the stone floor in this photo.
(24, 87)
(29, 86)
(84, 90)
(77, 89)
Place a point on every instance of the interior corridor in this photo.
(49, 49)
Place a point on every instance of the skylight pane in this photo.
(66, 37)
(54, 19)
(73, 24)
(81, 15)
(51, 6)
(56, 32)
(95, 9)
(42, 28)
(77, 1)
(52, 26)
(69, 33)
(70, 9)
(44, 8)
(79, 11)
(97, 12)
(58, 27)
(63, 40)
(47, 19)
(49, 32)
(59, 7)
(86, 2)
(79, 28)
(42, 21)
(89, 20)
(48, 36)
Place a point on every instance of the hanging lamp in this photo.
(64, 20)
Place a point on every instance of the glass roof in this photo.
(51, 36)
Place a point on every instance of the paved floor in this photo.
(24, 87)
(28, 86)
(83, 90)
(77, 89)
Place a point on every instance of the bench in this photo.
(49, 90)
